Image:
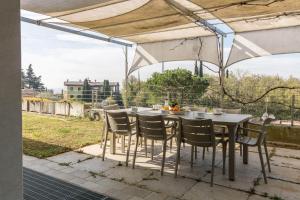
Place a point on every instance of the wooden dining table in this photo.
(232, 121)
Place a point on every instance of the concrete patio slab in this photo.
(127, 174)
(277, 188)
(96, 165)
(204, 191)
(287, 174)
(111, 177)
(167, 184)
(69, 157)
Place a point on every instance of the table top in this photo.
(223, 118)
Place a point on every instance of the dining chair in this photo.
(222, 130)
(152, 127)
(106, 108)
(199, 132)
(259, 139)
(118, 123)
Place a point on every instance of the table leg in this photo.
(231, 168)
(113, 143)
(245, 147)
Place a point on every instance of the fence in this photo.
(75, 109)
(284, 105)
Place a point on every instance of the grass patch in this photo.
(45, 136)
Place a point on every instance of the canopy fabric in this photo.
(156, 25)
(247, 15)
(200, 48)
(263, 43)
(134, 20)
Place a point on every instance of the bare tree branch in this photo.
(257, 99)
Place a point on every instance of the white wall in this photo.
(10, 102)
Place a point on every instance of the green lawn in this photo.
(45, 136)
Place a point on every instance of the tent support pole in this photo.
(73, 31)
(222, 70)
(126, 77)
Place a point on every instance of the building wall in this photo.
(10, 102)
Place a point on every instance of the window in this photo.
(71, 96)
(79, 88)
(71, 88)
(78, 96)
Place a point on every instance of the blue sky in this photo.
(58, 56)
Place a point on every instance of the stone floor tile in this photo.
(285, 190)
(106, 185)
(257, 197)
(128, 192)
(94, 150)
(287, 152)
(135, 198)
(244, 181)
(156, 196)
(167, 184)
(285, 173)
(96, 165)
(89, 185)
(80, 174)
(204, 191)
(38, 168)
(69, 157)
(94, 178)
(286, 162)
(127, 174)
(29, 158)
(77, 181)
(68, 170)
(64, 176)
(57, 166)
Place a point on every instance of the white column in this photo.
(10, 102)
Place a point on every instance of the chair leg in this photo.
(105, 142)
(164, 157)
(224, 145)
(141, 143)
(146, 150)
(103, 134)
(192, 155)
(177, 158)
(267, 155)
(213, 166)
(171, 143)
(128, 149)
(203, 153)
(262, 164)
(195, 152)
(123, 143)
(152, 149)
(135, 150)
(241, 150)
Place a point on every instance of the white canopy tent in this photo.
(169, 30)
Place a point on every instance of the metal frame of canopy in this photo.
(197, 20)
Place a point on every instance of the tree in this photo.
(30, 80)
(22, 79)
(86, 91)
(179, 84)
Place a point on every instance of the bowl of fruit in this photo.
(174, 108)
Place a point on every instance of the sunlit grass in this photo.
(45, 136)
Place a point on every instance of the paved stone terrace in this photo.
(85, 168)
